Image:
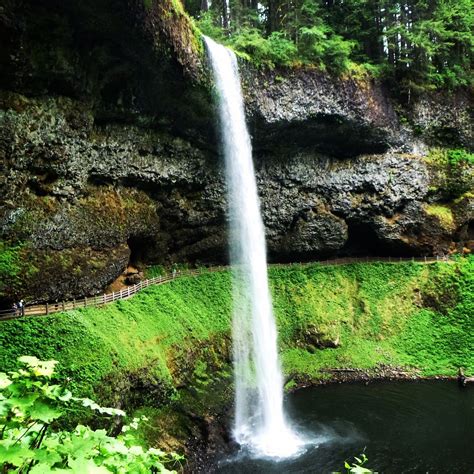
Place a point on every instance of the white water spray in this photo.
(259, 418)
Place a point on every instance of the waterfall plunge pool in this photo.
(405, 427)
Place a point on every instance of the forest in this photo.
(419, 45)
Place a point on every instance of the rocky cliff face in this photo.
(109, 154)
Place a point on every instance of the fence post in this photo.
(74, 303)
(64, 306)
(47, 308)
(85, 301)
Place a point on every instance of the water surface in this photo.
(404, 427)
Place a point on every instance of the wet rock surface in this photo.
(310, 109)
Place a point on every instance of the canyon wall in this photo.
(110, 155)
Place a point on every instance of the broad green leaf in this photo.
(360, 470)
(86, 466)
(4, 381)
(16, 454)
(94, 406)
(29, 404)
(29, 360)
(39, 367)
(47, 456)
(136, 450)
(43, 412)
(65, 396)
(45, 369)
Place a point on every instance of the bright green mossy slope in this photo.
(175, 335)
(158, 329)
(411, 315)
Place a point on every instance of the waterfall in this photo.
(260, 422)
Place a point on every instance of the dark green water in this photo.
(404, 427)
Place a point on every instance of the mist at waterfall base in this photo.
(260, 423)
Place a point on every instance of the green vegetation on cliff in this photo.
(419, 45)
(152, 336)
(357, 316)
(407, 315)
(452, 172)
(10, 265)
(166, 353)
(169, 345)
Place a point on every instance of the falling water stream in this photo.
(260, 423)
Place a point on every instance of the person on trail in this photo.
(15, 309)
(21, 305)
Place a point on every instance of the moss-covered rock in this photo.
(51, 275)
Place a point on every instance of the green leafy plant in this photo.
(454, 171)
(155, 271)
(460, 157)
(319, 45)
(357, 465)
(10, 265)
(31, 442)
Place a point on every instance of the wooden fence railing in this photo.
(124, 293)
(99, 300)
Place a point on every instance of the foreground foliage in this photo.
(30, 408)
(357, 465)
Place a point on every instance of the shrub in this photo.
(29, 409)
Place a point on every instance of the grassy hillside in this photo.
(409, 314)
(173, 340)
(153, 330)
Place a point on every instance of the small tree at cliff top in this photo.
(30, 407)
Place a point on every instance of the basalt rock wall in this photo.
(109, 153)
